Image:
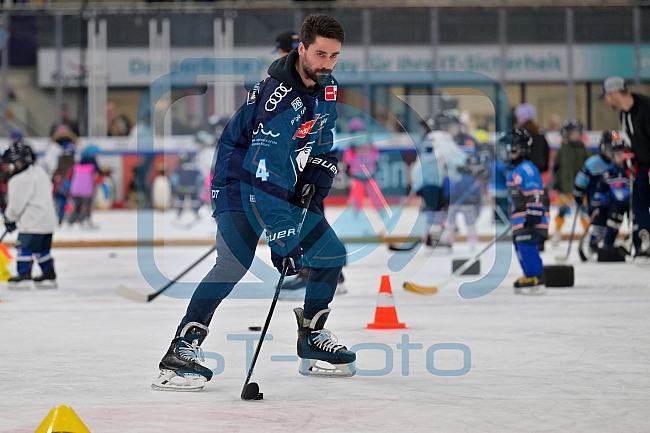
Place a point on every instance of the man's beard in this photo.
(319, 76)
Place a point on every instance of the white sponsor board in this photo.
(537, 63)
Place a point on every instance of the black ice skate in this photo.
(182, 361)
(22, 281)
(530, 285)
(318, 345)
(47, 280)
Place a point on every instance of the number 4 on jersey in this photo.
(261, 172)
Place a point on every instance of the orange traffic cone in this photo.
(385, 313)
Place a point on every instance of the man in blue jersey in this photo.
(529, 218)
(274, 148)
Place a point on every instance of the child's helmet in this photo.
(571, 125)
(609, 140)
(17, 158)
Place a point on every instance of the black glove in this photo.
(293, 259)
(10, 225)
(285, 247)
(319, 172)
(533, 218)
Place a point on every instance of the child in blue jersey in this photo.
(604, 182)
(591, 185)
(529, 217)
(618, 181)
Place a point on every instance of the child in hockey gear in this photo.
(276, 147)
(529, 218)
(568, 161)
(590, 183)
(186, 181)
(31, 211)
(315, 343)
(617, 179)
(182, 360)
(461, 187)
(437, 153)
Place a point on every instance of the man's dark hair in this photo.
(320, 25)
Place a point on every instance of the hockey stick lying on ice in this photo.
(430, 290)
(134, 295)
(251, 390)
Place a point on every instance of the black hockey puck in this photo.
(254, 328)
(252, 392)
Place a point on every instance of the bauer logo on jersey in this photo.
(305, 128)
(331, 93)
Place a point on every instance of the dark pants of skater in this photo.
(237, 238)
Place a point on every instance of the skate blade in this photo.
(22, 285)
(533, 291)
(168, 380)
(319, 368)
(46, 284)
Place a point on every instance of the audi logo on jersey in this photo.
(305, 128)
(274, 99)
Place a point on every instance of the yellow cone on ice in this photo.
(62, 419)
(5, 261)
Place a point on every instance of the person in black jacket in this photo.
(635, 122)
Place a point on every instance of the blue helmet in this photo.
(91, 150)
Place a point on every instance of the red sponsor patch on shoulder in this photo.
(331, 92)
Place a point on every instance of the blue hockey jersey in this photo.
(589, 182)
(619, 185)
(282, 127)
(527, 192)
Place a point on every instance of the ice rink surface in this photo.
(574, 360)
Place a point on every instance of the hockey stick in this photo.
(573, 230)
(3, 235)
(429, 290)
(250, 390)
(630, 212)
(134, 295)
(569, 203)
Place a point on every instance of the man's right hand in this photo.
(293, 260)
